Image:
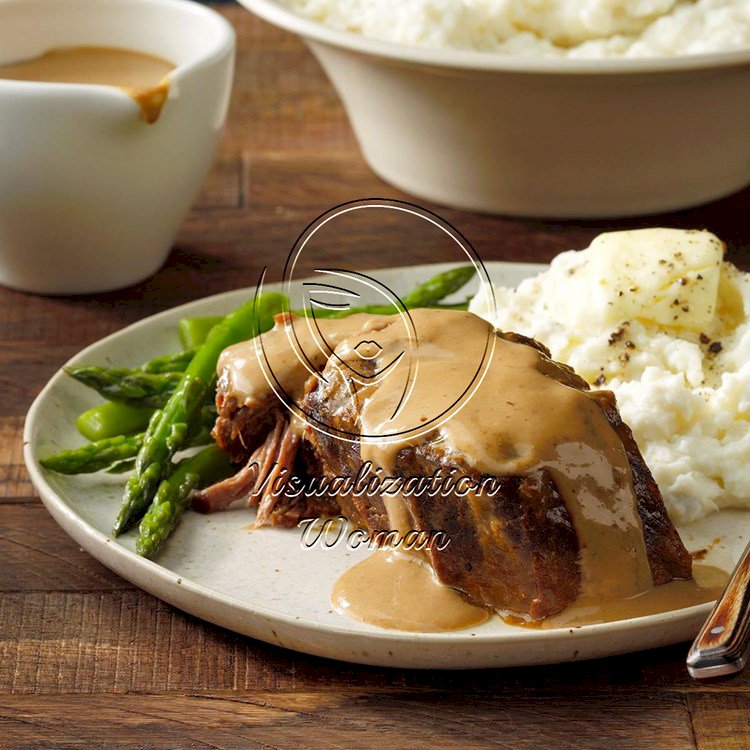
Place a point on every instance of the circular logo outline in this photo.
(287, 281)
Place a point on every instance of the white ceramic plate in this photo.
(263, 583)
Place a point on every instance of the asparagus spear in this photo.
(122, 467)
(169, 362)
(204, 468)
(113, 453)
(94, 456)
(168, 428)
(116, 418)
(429, 294)
(202, 437)
(194, 331)
(382, 310)
(111, 419)
(147, 389)
(439, 287)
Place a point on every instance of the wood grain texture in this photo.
(37, 556)
(351, 718)
(87, 660)
(721, 720)
(15, 485)
(223, 188)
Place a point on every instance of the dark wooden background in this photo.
(87, 660)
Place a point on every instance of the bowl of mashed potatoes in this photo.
(552, 108)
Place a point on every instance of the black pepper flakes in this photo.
(715, 347)
(704, 339)
(629, 345)
(615, 336)
(601, 380)
(683, 281)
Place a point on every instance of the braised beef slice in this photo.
(516, 551)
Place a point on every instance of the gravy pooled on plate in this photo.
(141, 76)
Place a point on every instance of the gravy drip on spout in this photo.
(142, 77)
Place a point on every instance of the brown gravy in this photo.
(143, 77)
(513, 419)
(706, 586)
(293, 351)
(399, 591)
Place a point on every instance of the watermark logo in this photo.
(329, 533)
(336, 291)
(386, 344)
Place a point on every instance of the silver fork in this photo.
(722, 646)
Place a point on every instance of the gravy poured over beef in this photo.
(576, 517)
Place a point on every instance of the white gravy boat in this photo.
(91, 196)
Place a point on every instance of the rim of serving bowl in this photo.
(279, 15)
(224, 44)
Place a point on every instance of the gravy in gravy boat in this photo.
(141, 76)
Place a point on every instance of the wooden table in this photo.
(87, 660)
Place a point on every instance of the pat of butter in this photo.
(665, 276)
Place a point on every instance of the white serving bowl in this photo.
(540, 137)
(91, 196)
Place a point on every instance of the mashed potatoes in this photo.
(659, 318)
(546, 28)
